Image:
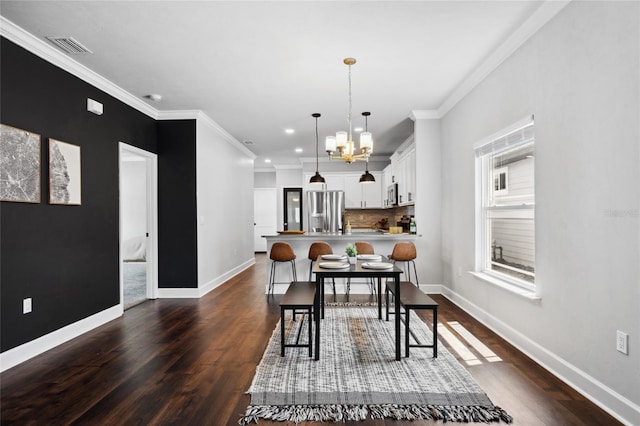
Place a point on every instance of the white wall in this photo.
(580, 76)
(225, 206)
(428, 212)
(134, 201)
(264, 179)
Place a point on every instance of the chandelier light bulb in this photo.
(330, 144)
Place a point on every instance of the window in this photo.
(505, 222)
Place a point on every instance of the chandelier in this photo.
(343, 143)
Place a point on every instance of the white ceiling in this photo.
(258, 67)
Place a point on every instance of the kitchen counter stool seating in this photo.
(412, 298)
(317, 249)
(405, 251)
(364, 247)
(281, 252)
(299, 296)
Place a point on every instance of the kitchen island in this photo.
(382, 243)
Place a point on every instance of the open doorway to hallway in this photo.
(138, 213)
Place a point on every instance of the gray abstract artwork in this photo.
(19, 165)
(64, 173)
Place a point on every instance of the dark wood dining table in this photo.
(356, 271)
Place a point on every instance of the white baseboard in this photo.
(28, 350)
(216, 282)
(196, 293)
(431, 288)
(606, 398)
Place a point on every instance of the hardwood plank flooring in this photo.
(190, 362)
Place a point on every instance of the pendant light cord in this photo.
(316, 144)
(350, 106)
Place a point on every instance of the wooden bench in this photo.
(299, 296)
(411, 298)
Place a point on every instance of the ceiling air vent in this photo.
(69, 45)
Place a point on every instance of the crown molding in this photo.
(425, 114)
(204, 118)
(264, 170)
(40, 48)
(187, 114)
(540, 17)
(287, 167)
(325, 159)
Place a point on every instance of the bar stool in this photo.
(405, 251)
(281, 252)
(364, 247)
(317, 249)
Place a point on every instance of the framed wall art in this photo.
(64, 173)
(19, 165)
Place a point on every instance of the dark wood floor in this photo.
(187, 361)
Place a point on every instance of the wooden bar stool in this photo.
(405, 251)
(317, 249)
(281, 252)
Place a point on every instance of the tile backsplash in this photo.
(370, 218)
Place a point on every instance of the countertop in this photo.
(373, 236)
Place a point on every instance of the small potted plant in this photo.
(352, 252)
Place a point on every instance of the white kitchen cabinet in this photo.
(372, 192)
(403, 168)
(410, 175)
(362, 195)
(335, 182)
(386, 182)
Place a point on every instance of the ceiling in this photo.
(260, 67)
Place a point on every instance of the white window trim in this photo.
(512, 284)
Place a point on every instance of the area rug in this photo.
(134, 283)
(358, 378)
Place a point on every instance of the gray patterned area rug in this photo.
(357, 376)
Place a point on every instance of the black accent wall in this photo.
(67, 257)
(178, 266)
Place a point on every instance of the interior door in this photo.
(265, 216)
(292, 209)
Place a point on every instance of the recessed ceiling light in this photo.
(298, 150)
(154, 97)
(358, 129)
(289, 131)
(267, 160)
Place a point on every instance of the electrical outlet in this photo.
(459, 271)
(622, 342)
(26, 305)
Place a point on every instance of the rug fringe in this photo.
(341, 413)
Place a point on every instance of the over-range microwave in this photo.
(392, 195)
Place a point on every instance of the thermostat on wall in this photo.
(94, 106)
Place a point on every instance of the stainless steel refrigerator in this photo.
(325, 211)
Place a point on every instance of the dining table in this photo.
(364, 267)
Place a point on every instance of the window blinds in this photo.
(514, 136)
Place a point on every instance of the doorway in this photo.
(292, 209)
(265, 216)
(138, 225)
